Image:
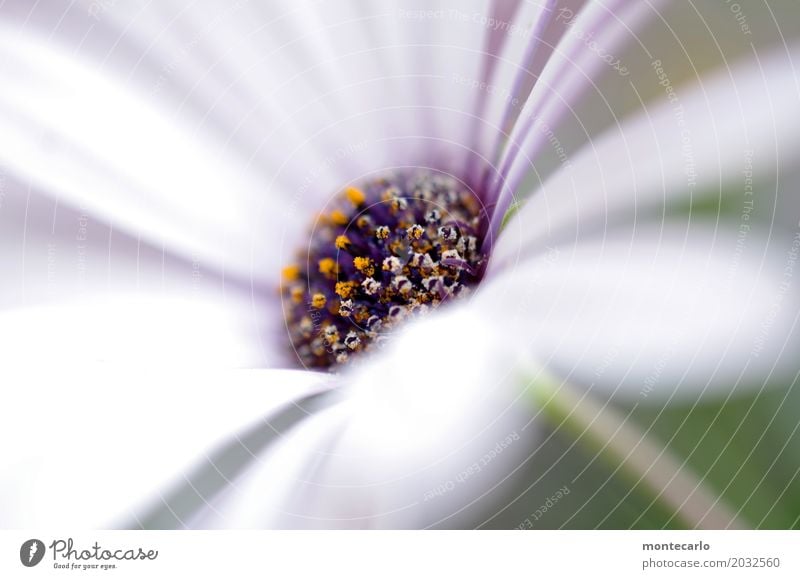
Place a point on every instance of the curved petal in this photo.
(673, 152)
(78, 135)
(653, 313)
(83, 441)
(77, 289)
(433, 430)
(207, 129)
(602, 72)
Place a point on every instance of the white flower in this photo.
(160, 165)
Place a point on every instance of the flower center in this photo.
(397, 247)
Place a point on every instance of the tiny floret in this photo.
(341, 242)
(338, 217)
(318, 301)
(415, 231)
(355, 196)
(389, 249)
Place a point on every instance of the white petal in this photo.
(433, 428)
(82, 137)
(77, 289)
(601, 71)
(671, 152)
(212, 129)
(523, 66)
(84, 443)
(149, 331)
(657, 312)
(563, 74)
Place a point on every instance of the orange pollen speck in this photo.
(297, 294)
(290, 272)
(355, 196)
(364, 265)
(345, 288)
(318, 301)
(328, 267)
(338, 217)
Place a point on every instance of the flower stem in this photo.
(631, 452)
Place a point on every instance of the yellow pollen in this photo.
(355, 195)
(328, 267)
(382, 232)
(290, 272)
(297, 294)
(338, 217)
(345, 288)
(318, 301)
(364, 265)
(342, 242)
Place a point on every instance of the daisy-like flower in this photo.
(413, 226)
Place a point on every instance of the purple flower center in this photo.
(397, 247)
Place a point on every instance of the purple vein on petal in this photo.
(529, 72)
(493, 45)
(575, 72)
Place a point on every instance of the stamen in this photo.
(355, 195)
(338, 217)
(395, 248)
(318, 301)
(328, 267)
(342, 242)
(290, 272)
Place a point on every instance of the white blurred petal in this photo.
(656, 312)
(150, 331)
(662, 156)
(601, 71)
(77, 289)
(415, 445)
(211, 130)
(74, 132)
(82, 442)
(564, 74)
